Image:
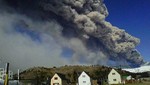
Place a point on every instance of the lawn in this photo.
(143, 83)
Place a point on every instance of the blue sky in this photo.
(134, 17)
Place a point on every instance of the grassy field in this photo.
(143, 83)
(146, 83)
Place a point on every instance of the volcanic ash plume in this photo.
(84, 29)
(88, 18)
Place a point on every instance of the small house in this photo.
(129, 77)
(84, 79)
(59, 79)
(126, 79)
(114, 77)
(3, 73)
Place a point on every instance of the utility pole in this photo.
(18, 77)
(6, 82)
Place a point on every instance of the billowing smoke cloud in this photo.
(36, 32)
(22, 49)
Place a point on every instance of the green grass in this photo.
(139, 84)
(143, 83)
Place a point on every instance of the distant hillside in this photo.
(70, 72)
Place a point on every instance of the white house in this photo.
(10, 75)
(56, 80)
(129, 77)
(84, 79)
(114, 77)
(2, 74)
(59, 79)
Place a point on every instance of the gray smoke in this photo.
(78, 25)
(89, 18)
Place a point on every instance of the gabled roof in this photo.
(114, 71)
(79, 73)
(83, 72)
(62, 76)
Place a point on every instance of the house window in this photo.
(114, 79)
(113, 73)
(83, 75)
(55, 78)
(84, 81)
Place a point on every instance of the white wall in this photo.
(84, 79)
(114, 77)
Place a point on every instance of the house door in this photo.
(56, 84)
